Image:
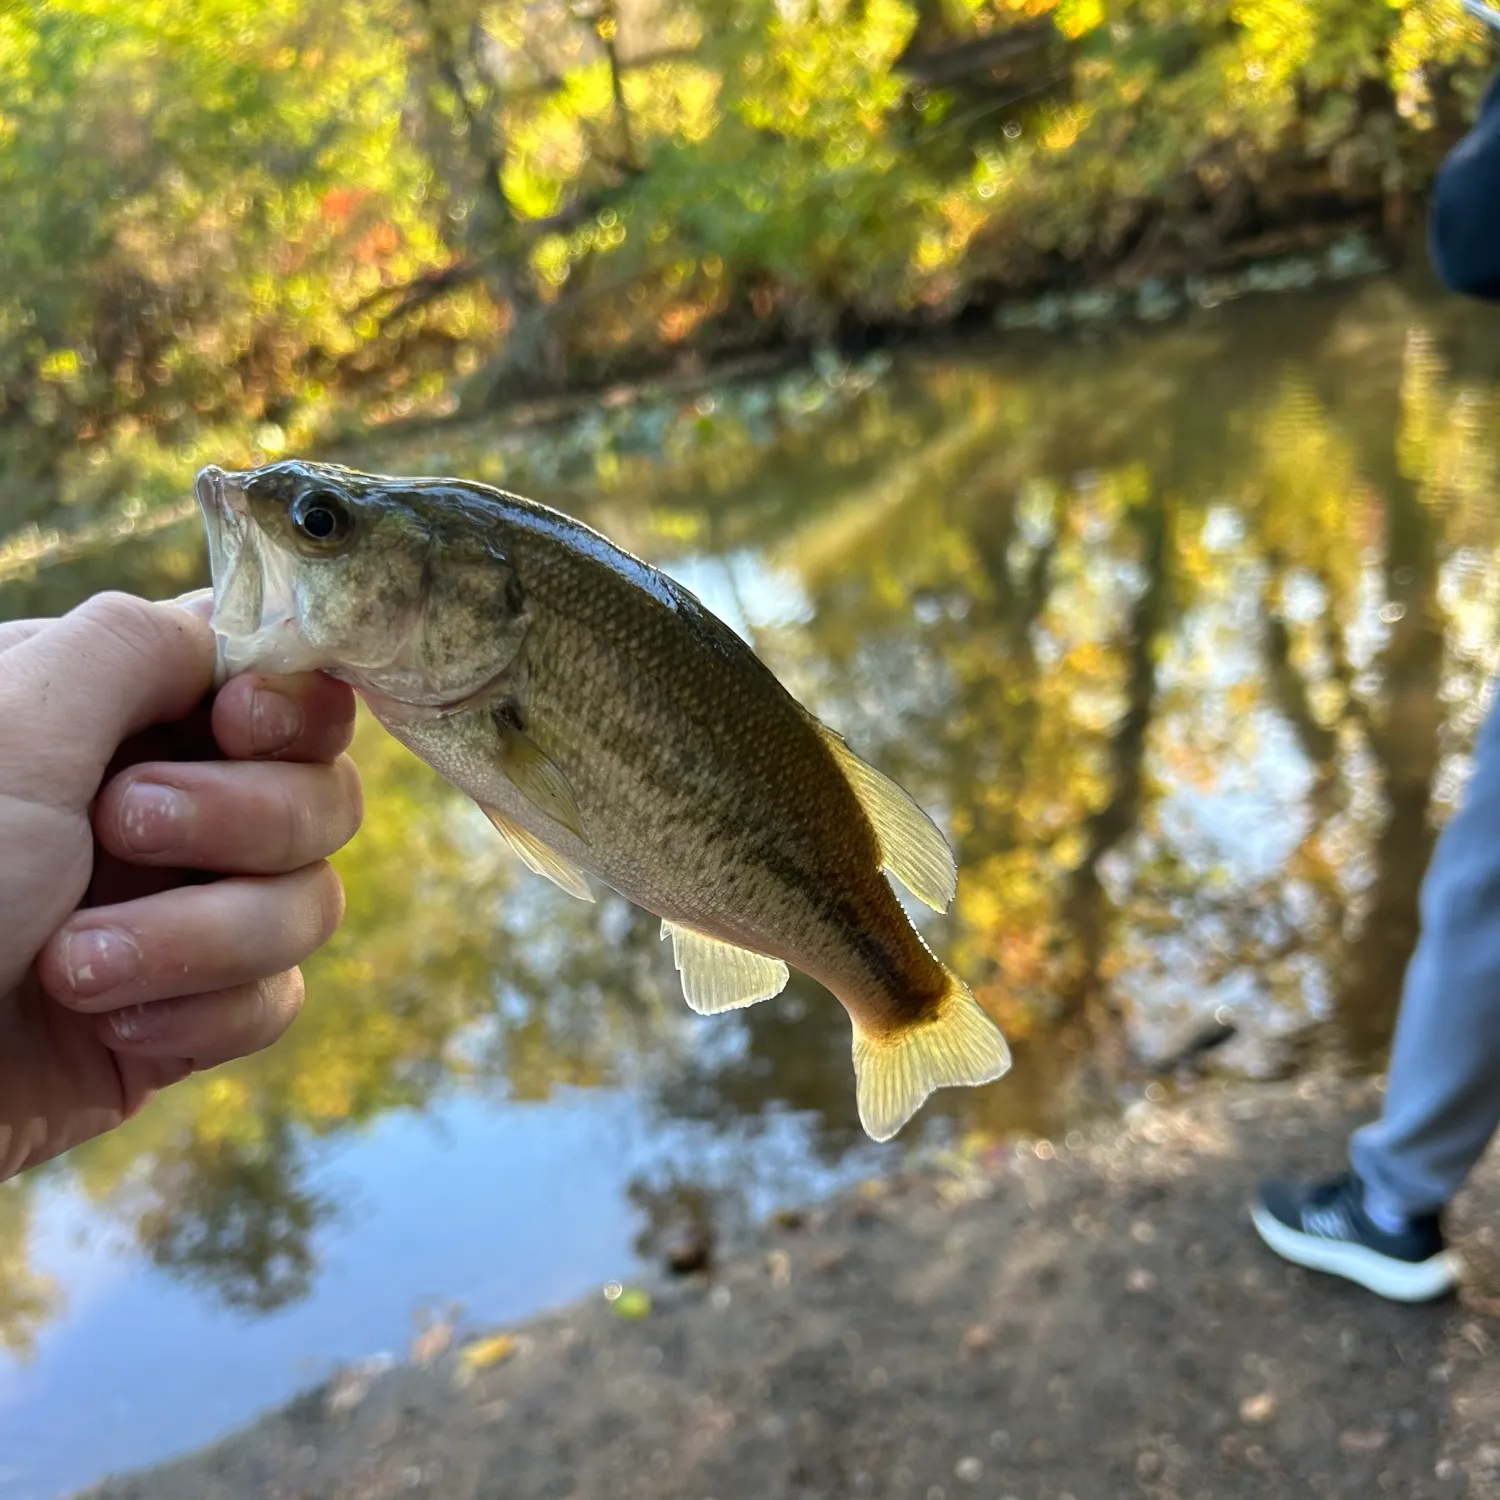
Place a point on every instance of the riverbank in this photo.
(1086, 1319)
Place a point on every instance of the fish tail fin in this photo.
(953, 1043)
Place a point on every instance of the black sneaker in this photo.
(1324, 1226)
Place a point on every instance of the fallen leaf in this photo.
(1486, 1307)
(632, 1303)
(1258, 1409)
(346, 1390)
(977, 1337)
(483, 1353)
(351, 1384)
(430, 1343)
(1148, 1465)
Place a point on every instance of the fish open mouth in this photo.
(218, 522)
(254, 582)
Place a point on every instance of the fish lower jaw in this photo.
(277, 650)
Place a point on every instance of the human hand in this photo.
(124, 964)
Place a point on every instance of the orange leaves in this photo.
(339, 203)
(383, 240)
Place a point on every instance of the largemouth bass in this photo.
(610, 726)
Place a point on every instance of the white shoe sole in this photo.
(1398, 1281)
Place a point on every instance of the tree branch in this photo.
(550, 83)
(478, 128)
(979, 55)
(607, 27)
(418, 293)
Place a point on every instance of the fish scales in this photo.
(708, 751)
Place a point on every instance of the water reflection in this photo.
(1184, 638)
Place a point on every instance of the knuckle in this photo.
(127, 621)
(120, 611)
(250, 1017)
(138, 628)
(281, 999)
(285, 830)
(351, 800)
(330, 901)
(320, 901)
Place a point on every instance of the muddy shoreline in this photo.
(1064, 1321)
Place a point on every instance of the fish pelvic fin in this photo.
(955, 1043)
(717, 976)
(537, 779)
(912, 847)
(537, 856)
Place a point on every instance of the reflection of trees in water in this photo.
(791, 1054)
(1070, 883)
(27, 1299)
(1070, 607)
(235, 1218)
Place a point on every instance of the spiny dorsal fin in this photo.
(912, 846)
(536, 778)
(538, 856)
(956, 1044)
(717, 976)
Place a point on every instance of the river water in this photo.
(1182, 633)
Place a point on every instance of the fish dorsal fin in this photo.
(912, 846)
(717, 976)
(536, 778)
(538, 856)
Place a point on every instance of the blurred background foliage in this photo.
(236, 229)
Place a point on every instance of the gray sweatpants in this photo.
(1442, 1102)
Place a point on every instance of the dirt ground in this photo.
(1093, 1321)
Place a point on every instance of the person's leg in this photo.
(1442, 1102)
(1381, 1227)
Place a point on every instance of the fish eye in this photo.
(321, 516)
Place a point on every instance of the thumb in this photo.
(70, 694)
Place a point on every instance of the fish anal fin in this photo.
(717, 976)
(537, 856)
(912, 847)
(956, 1044)
(537, 779)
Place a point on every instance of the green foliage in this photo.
(238, 229)
(199, 198)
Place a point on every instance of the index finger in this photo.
(74, 691)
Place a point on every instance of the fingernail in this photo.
(98, 959)
(275, 721)
(154, 818)
(139, 1023)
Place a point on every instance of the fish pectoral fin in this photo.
(537, 779)
(912, 846)
(537, 856)
(956, 1044)
(717, 976)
